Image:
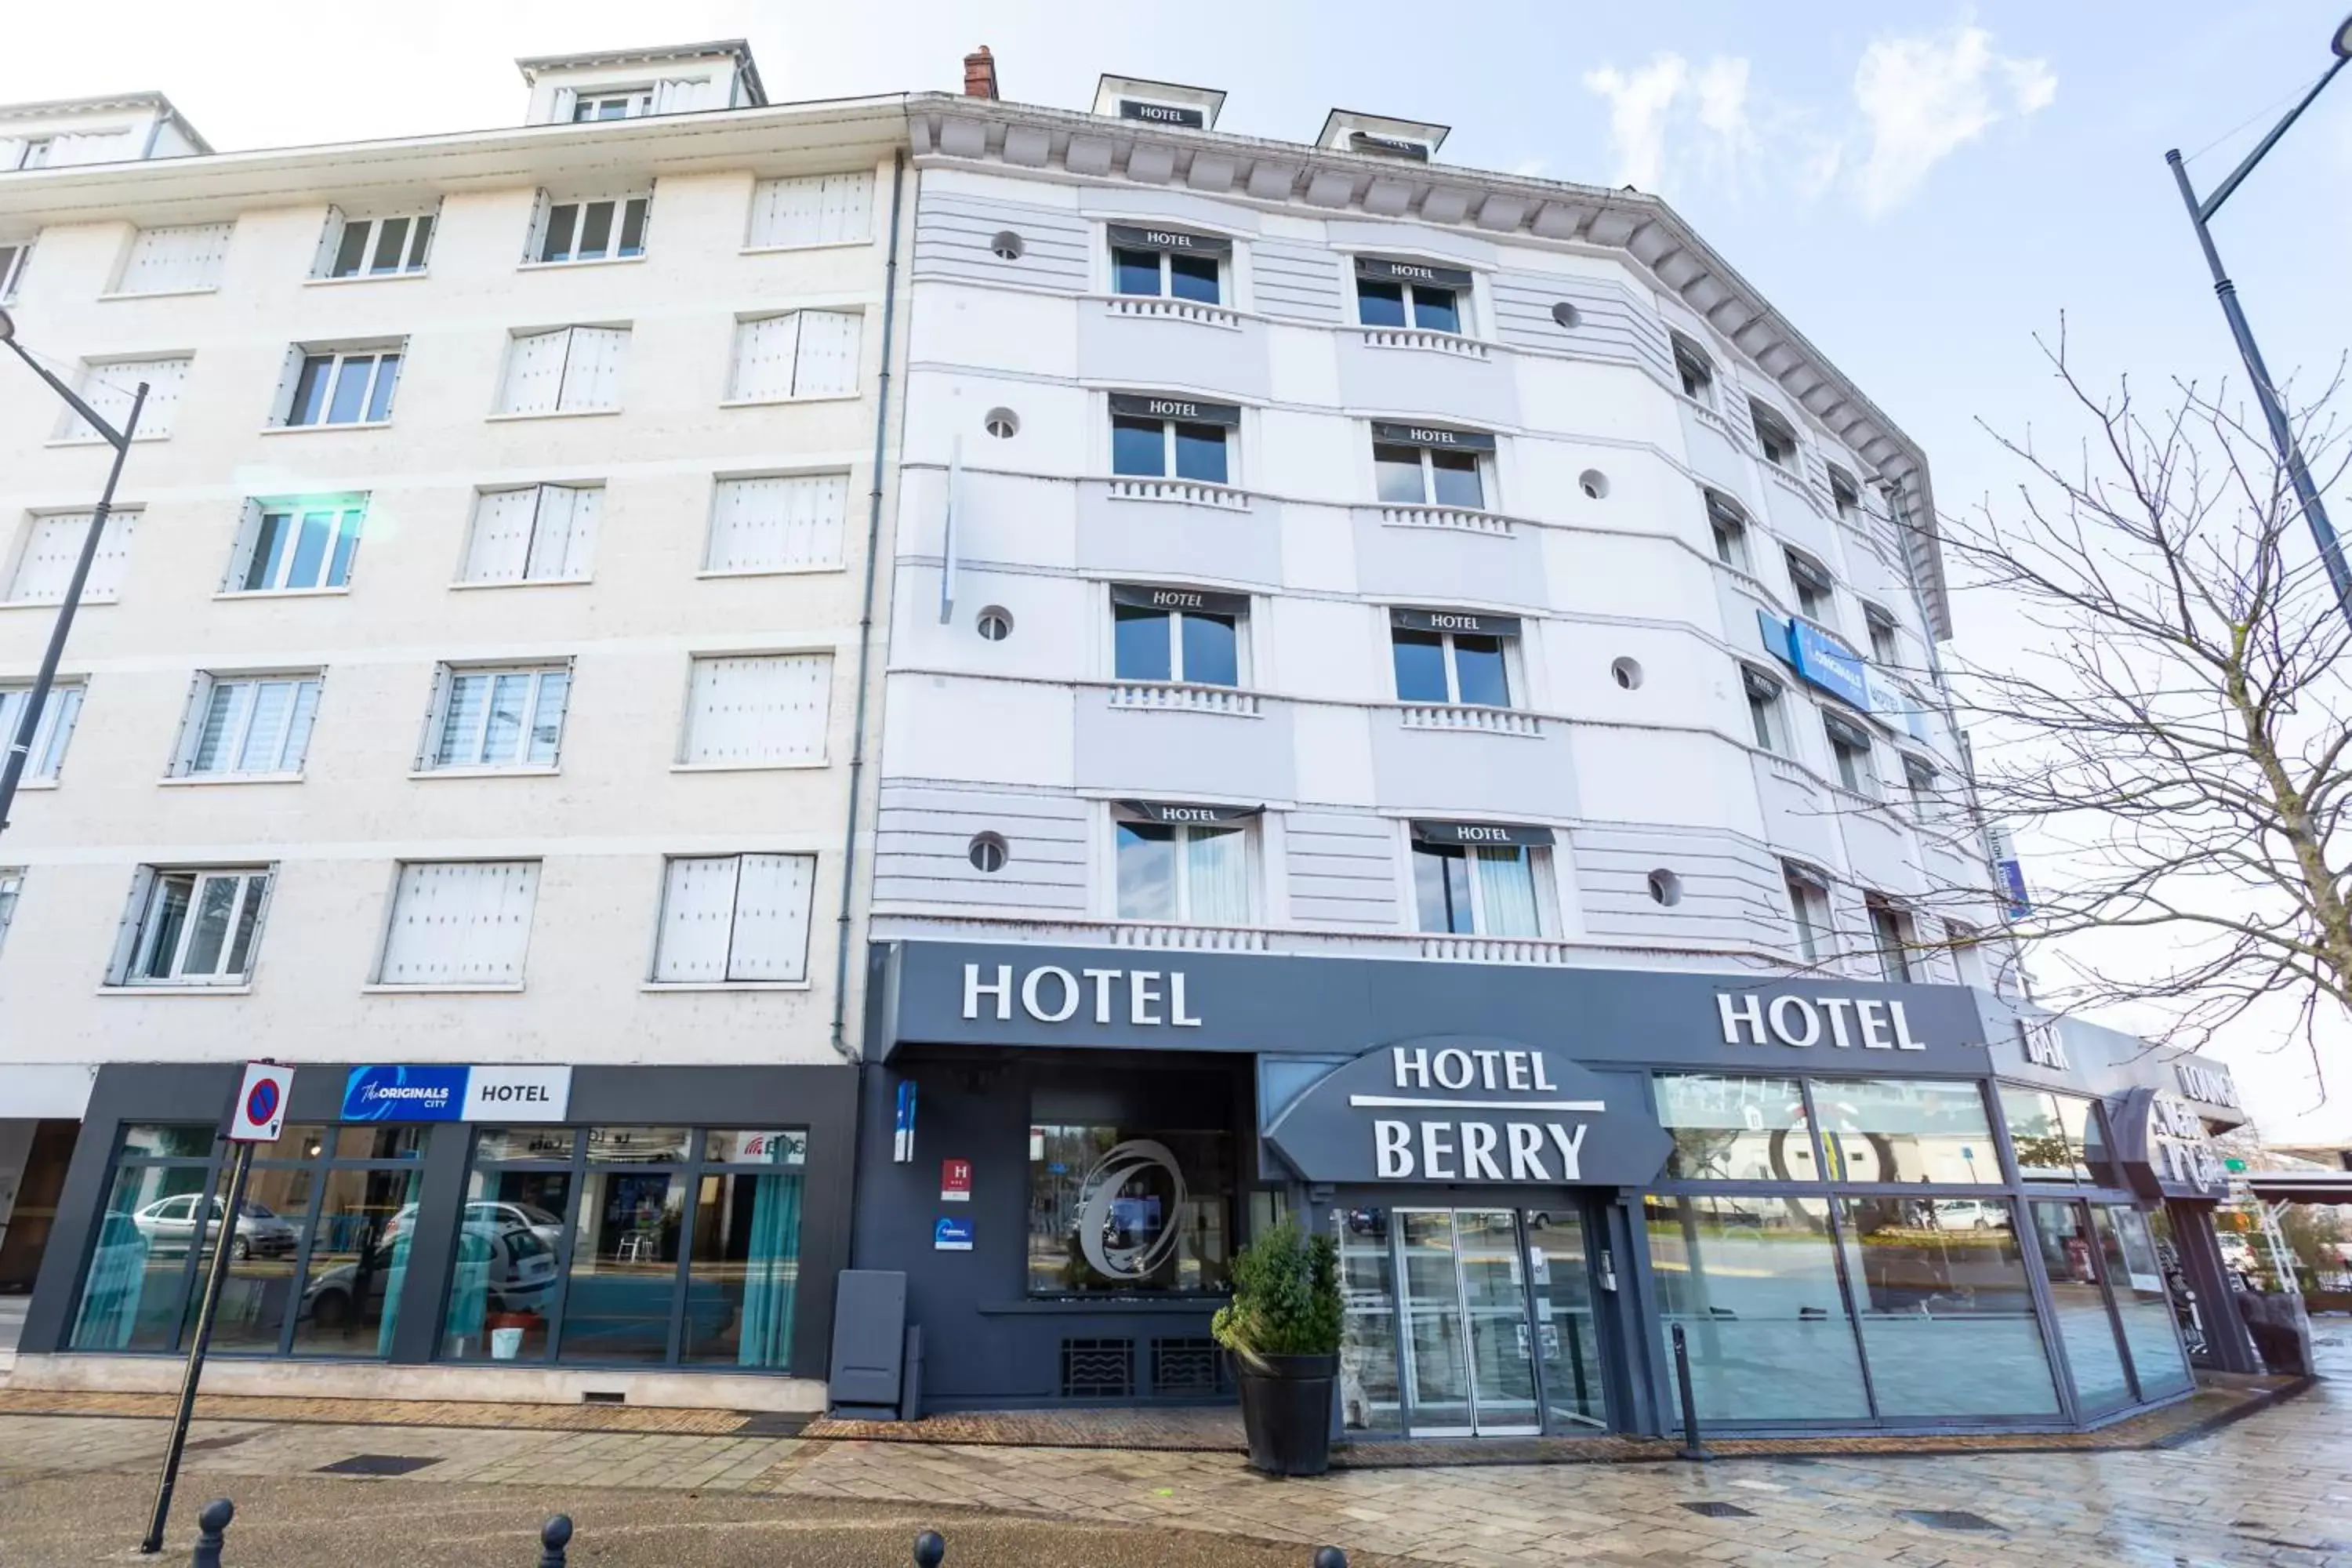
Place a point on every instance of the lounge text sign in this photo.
(1439, 436)
(1175, 239)
(2162, 1145)
(1049, 993)
(1872, 1022)
(1382, 270)
(2207, 1082)
(1476, 623)
(1191, 410)
(1199, 600)
(1467, 1109)
(1161, 114)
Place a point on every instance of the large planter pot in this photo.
(1286, 1411)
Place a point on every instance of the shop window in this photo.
(1171, 438)
(1729, 1128)
(1905, 1130)
(1192, 873)
(1178, 635)
(628, 1245)
(1947, 1313)
(1753, 1282)
(2057, 1137)
(1479, 889)
(1458, 658)
(1127, 1208)
(2151, 1332)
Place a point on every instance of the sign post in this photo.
(259, 1113)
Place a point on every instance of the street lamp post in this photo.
(20, 745)
(2200, 213)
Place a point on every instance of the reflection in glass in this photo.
(1368, 1396)
(1193, 278)
(744, 1268)
(1139, 447)
(1906, 1130)
(1735, 1129)
(1478, 671)
(1420, 665)
(1140, 649)
(624, 1268)
(1435, 310)
(1200, 453)
(1567, 1332)
(1436, 1364)
(1396, 474)
(502, 1287)
(1135, 272)
(1379, 304)
(131, 1291)
(2141, 1305)
(1493, 1300)
(360, 1238)
(1947, 1313)
(1212, 649)
(1121, 1209)
(1754, 1282)
(1454, 480)
(263, 1246)
(2044, 1153)
(2070, 1260)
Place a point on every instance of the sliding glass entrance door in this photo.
(1499, 1336)
(1568, 1335)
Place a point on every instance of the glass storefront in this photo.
(1123, 1208)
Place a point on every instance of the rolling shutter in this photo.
(767, 711)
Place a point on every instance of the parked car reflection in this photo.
(168, 1224)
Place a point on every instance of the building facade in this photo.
(464, 708)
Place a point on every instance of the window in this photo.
(813, 209)
(1845, 495)
(459, 922)
(375, 247)
(296, 547)
(12, 883)
(1919, 782)
(758, 710)
(1451, 656)
(32, 152)
(50, 735)
(629, 1245)
(1850, 747)
(53, 542)
(806, 353)
(1141, 1204)
(175, 260)
(1816, 594)
(602, 231)
(194, 928)
(1883, 649)
(539, 534)
(1696, 371)
(248, 726)
(1735, 1127)
(1412, 466)
(2057, 1137)
(12, 265)
(1193, 873)
(1809, 909)
(1774, 435)
(109, 386)
(1178, 634)
(1411, 294)
(1167, 263)
(624, 105)
(788, 523)
(1753, 1282)
(342, 387)
(1465, 883)
(496, 719)
(1946, 1315)
(1158, 437)
(1890, 934)
(569, 371)
(1730, 530)
(1763, 708)
(734, 918)
(1906, 1130)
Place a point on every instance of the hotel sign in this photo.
(1872, 1022)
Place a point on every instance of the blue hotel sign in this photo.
(435, 1092)
(1820, 660)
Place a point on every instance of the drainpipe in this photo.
(866, 616)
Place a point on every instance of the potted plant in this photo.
(1283, 1328)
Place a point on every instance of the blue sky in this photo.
(1918, 186)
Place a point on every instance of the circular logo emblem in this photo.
(1129, 1245)
(262, 1103)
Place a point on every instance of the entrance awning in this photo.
(2300, 1186)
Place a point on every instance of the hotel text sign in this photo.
(1873, 1023)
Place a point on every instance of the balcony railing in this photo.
(1415, 338)
(1151, 306)
(1467, 716)
(1193, 939)
(1494, 950)
(1447, 517)
(1170, 694)
(1188, 492)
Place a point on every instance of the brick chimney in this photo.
(980, 74)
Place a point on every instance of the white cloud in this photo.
(1924, 97)
(1639, 102)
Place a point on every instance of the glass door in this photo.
(1495, 1311)
(2143, 1312)
(1560, 1285)
(2070, 1258)
(1436, 1370)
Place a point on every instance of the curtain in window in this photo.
(395, 1271)
(1507, 888)
(771, 1270)
(111, 1290)
(1217, 866)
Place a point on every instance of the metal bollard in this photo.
(554, 1537)
(930, 1549)
(1330, 1557)
(210, 1525)
(1692, 1447)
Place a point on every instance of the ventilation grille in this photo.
(1097, 1369)
(1184, 1366)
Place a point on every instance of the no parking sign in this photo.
(261, 1103)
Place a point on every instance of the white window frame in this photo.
(1463, 315)
(1882, 629)
(1761, 417)
(637, 102)
(444, 686)
(1692, 364)
(736, 397)
(1918, 786)
(151, 887)
(1728, 526)
(1766, 712)
(1252, 863)
(1540, 877)
(797, 967)
(1808, 914)
(579, 551)
(308, 686)
(828, 530)
(1845, 494)
(1177, 674)
(350, 513)
(1812, 586)
(408, 873)
(1892, 933)
(13, 255)
(1857, 770)
(1233, 445)
(341, 359)
(52, 735)
(416, 246)
(855, 232)
(1224, 264)
(12, 888)
(551, 212)
(1514, 672)
(1483, 462)
(113, 555)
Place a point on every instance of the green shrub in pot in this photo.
(1287, 1296)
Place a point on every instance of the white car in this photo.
(168, 1224)
(497, 1215)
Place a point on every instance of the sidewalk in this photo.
(2274, 1488)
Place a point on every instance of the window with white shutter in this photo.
(538, 533)
(503, 717)
(741, 918)
(248, 726)
(463, 923)
(804, 353)
(813, 209)
(350, 385)
(758, 710)
(109, 388)
(195, 927)
(375, 247)
(50, 735)
(175, 260)
(787, 523)
(571, 370)
(610, 229)
(53, 543)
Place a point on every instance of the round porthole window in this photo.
(1665, 887)
(1002, 423)
(988, 851)
(1568, 315)
(1008, 246)
(1594, 484)
(995, 624)
(1627, 673)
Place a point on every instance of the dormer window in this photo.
(627, 105)
(1158, 103)
(1168, 263)
(1346, 131)
(630, 84)
(1411, 294)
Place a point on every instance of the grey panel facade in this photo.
(1160, 752)
(1405, 554)
(921, 849)
(1444, 771)
(1443, 383)
(1612, 325)
(1119, 347)
(953, 234)
(1296, 282)
(1120, 534)
(1730, 890)
(1342, 869)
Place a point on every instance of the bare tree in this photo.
(2172, 717)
